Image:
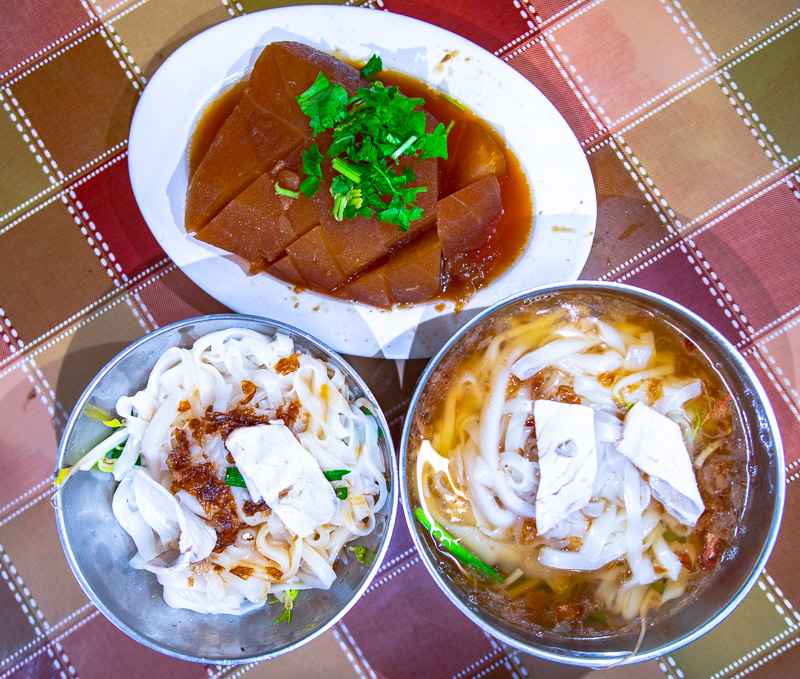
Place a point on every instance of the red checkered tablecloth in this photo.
(688, 114)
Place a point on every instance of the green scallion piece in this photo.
(363, 554)
(669, 536)
(659, 585)
(348, 170)
(233, 477)
(336, 474)
(341, 492)
(286, 192)
(449, 543)
(452, 101)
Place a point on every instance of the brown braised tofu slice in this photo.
(300, 65)
(264, 127)
(370, 289)
(285, 270)
(473, 155)
(466, 218)
(311, 255)
(414, 273)
(411, 275)
(261, 223)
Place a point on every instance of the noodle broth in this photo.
(570, 581)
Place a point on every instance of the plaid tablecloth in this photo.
(688, 113)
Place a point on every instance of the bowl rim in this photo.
(601, 659)
(391, 506)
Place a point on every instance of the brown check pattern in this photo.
(688, 114)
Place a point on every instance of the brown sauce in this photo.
(466, 273)
(210, 122)
(201, 481)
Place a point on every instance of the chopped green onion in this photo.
(341, 493)
(106, 464)
(452, 101)
(346, 169)
(669, 536)
(401, 149)
(115, 423)
(286, 192)
(597, 617)
(336, 474)
(367, 411)
(363, 554)
(233, 477)
(451, 545)
(659, 585)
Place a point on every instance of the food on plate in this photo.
(246, 467)
(330, 181)
(577, 464)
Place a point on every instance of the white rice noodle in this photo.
(637, 356)
(591, 364)
(641, 568)
(673, 398)
(520, 473)
(517, 432)
(482, 499)
(592, 392)
(332, 426)
(665, 557)
(610, 336)
(532, 362)
(634, 378)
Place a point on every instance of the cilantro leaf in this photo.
(371, 132)
(373, 66)
(323, 103)
(434, 145)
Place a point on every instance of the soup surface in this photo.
(588, 459)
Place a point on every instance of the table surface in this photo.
(687, 112)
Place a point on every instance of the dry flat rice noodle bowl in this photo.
(580, 463)
(245, 468)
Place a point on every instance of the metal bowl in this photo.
(98, 549)
(735, 576)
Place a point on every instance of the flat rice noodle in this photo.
(467, 218)
(473, 155)
(265, 126)
(312, 256)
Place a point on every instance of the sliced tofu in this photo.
(473, 155)
(467, 218)
(277, 469)
(567, 460)
(655, 445)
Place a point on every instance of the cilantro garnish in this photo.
(373, 66)
(371, 132)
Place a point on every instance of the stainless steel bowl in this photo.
(761, 519)
(98, 549)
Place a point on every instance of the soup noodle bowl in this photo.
(594, 530)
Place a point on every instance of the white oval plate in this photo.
(564, 200)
